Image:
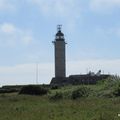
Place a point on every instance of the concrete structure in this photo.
(59, 46)
(88, 79)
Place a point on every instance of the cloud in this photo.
(104, 5)
(8, 28)
(58, 7)
(7, 5)
(10, 35)
(26, 73)
(83, 66)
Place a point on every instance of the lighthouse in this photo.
(59, 50)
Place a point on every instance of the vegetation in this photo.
(33, 90)
(81, 92)
(80, 102)
(56, 96)
(8, 90)
(25, 107)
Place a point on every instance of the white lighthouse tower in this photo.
(59, 47)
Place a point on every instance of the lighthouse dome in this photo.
(59, 33)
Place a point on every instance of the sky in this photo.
(28, 27)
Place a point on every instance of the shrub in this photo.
(8, 90)
(105, 93)
(111, 82)
(33, 90)
(54, 87)
(80, 92)
(56, 96)
(116, 91)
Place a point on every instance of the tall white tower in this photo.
(59, 46)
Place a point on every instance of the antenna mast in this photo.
(36, 73)
(59, 27)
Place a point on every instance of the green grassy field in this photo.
(26, 107)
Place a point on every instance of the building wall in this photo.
(60, 67)
(79, 79)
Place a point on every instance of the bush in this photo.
(111, 82)
(8, 90)
(105, 93)
(56, 96)
(54, 87)
(33, 90)
(116, 91)
(80, 92)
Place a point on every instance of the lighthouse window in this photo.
(62, 37)
(57, 37)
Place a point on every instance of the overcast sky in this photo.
(28, 27)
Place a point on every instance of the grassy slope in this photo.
(23, 107)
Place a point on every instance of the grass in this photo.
(25, 107)
(99, 105)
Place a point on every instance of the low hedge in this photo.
(33, 90)
(8, 90)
